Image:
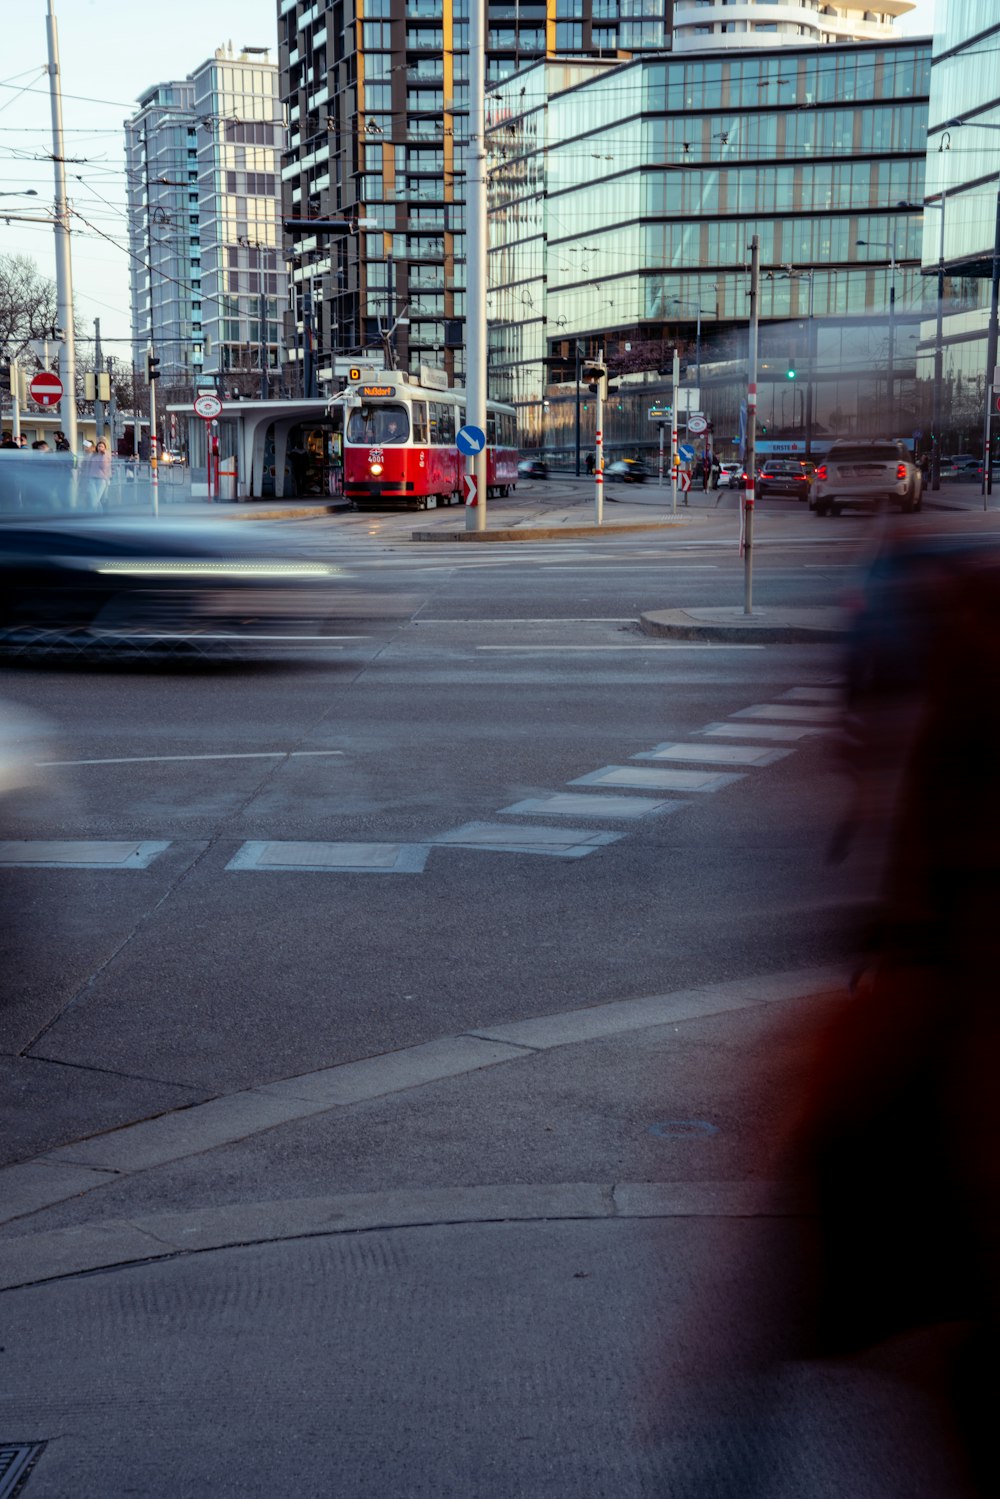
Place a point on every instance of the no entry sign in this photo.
(46, 389)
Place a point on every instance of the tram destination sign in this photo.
(378, 390)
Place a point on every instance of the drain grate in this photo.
(16, 1462)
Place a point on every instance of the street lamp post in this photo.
(890, 245)
(676, 302)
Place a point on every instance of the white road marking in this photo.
(159, 759)
(794, 712)
(720, 754)
(557, 843)
(676, 645)
(78, 853)
(266, 857)
(586, 804)
(654, 779)
(747, 730)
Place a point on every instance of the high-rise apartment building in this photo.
(377, 100)
(720, 25)
(208, 280)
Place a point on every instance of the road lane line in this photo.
(158, 759)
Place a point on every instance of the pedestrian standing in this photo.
(590, 463)
(97, 475)
(61, 442)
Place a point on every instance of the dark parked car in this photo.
(85, 586)
(629, 470)
(791, 476)
(533, 468)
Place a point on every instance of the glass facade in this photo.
(623, 203)
(963, 180)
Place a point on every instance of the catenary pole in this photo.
(751, 439)
(64, 268)
(476, 209)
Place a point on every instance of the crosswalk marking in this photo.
(559, 843)
(320, 857)
(651, 779)
(584, 804)
(719, 754)
(78, 853)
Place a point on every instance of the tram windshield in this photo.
(378, 426)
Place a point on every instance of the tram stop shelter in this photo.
(267, 449)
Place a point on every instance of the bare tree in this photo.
(27, 304)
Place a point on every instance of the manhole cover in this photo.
(16, 1462)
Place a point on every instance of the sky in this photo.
(110, 51)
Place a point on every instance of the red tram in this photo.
(399, 444)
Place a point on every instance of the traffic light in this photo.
(96, 387)
(597, 377)
(152, 368)
(790, 372)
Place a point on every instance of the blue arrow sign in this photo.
(470, 441)
(685, 451)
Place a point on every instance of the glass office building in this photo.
(960, 228)
(623, 199)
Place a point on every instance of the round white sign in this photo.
(208, 407)
(697, 424)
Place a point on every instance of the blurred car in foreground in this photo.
(865, 475)
(86, 586)
(789, 476)
(533, 468)
(629, 470)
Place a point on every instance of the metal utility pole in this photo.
(308, 362)
(477, 229)
(262, 345)
(938, 360)
(891, 362)
(991, 360)
(15, 396)
(811, 381)
(112, 407)
(98, 403)
(64, 270)
(675, 376)
(602, 383)
(751, 442)
(577, 408)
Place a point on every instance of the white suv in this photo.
(866, 475)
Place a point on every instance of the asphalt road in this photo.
(341, 1265)
(466, 686)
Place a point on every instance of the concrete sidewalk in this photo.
(569, 1283)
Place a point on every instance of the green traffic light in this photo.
(791, 374)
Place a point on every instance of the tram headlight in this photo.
(375, 468)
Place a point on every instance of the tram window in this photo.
(491, 431)
(419, 411)
(435, 424)
(447, 423)
(379, 426)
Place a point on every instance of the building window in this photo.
(569, 37)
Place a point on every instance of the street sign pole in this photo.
(751, 437)
(61, 219)
(475, 207)
(675, 379)
(663, 432)
(599, 448)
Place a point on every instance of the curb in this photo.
(37, 1259)
(546, 533)
(678, 624)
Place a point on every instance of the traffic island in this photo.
(766, 626)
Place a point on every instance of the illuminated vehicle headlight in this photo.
(375, 468)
